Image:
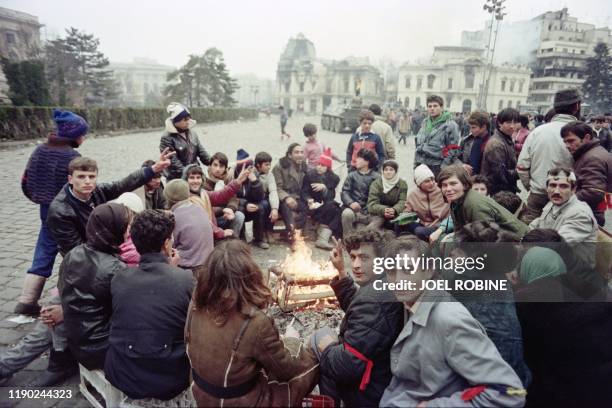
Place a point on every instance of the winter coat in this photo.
(593, 169)
(573, 220)
(251, 192)
(438, 148)
(146, 357)
(188, 150)
(209, 183)
(372, 320)
(430, 207)
(382, 129)
(68, 215)
(441, 354)
(356, 188)
(85, 288)
(605, 138)
(543, 150)
(474, 206)
(329, 178)
(271, 193)
(499, 164)
(154, 200)
(519, 138)
(473, 158)
(566, 347)
(289, 178)
(370, 141)
(193, 234)
(278, 376)
(394, 198)
(47, 171)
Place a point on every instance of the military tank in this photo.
(342, 119)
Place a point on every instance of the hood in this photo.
(170, 128)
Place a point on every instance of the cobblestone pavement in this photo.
(116, 157)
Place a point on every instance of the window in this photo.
(346, 85)
(512, 86)
(503, 85)
(466, 106)
(430, 81)
(501, 105)
(301, 87)
(450, 83)
(419, 83)
(10, 38)
(328, 86)
(313, 106)
(287, 85)
(520, 86)
(407, 102)
(469, 77)
(509, 104)
(417, 103)
(407, 83)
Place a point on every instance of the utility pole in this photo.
(496, 9)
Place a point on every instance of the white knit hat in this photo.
(131, 201)
(422, 173)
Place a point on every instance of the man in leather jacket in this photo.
(180, 138)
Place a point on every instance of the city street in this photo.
(117, 156)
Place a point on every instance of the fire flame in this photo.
(300, 265)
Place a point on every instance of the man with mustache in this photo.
(565, 213)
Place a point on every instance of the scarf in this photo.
(540, 263)
(106, 226)
(430, 125)
(389, 184)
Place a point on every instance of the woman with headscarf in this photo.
(566, 343)
(387, 196)
(84, 283)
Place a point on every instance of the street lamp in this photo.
(496, 9)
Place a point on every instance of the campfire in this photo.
(302, 282)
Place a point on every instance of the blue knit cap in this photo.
(69, 125)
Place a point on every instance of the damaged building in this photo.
(311, 85)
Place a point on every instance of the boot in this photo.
(28, 301)
(323, 235)
(62, 365)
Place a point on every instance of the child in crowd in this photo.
(356, 189)
(313, 148)
(270, 204)
(387, 196)
(480, 184)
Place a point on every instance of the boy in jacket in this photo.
(364, 138)
(355, 367)
(356, 189)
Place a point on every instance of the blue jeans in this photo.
(46, 248)
(418, 229)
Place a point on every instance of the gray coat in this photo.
(441, 352)
(573, 220)
(440, 147)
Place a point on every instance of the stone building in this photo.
(307, 84)
(457, 74)
(19, 40)
(141, 82)
(554, 45)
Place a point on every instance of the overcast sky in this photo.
(252, 34)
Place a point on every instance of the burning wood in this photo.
(302, 282)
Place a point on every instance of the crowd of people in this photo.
(159, 289)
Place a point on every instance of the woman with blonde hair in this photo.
(236, 354)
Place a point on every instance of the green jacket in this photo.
(378, 201)
(476, 207)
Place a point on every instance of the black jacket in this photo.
(593, 168)
(329, 178)
(566, 346)
(84, 285)
(250, 192)
(373, 320)
(146, 356)
(68, 215)
(499, 164)
(187, 152)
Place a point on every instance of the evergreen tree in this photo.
(27, 82)
(203, 81)
(76, 68)
(597, 87)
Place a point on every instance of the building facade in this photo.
(140, 83)
(458, 74)
(19, 40)
(553, 44)
(310, 85)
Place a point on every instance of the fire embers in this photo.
(302, 282)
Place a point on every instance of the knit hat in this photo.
(422, 173)
(177, 111)
(131, 201)
(567, 97)
(176, 190)
(241, 155)
(69, 125)
(325, 159)
(390, 163)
